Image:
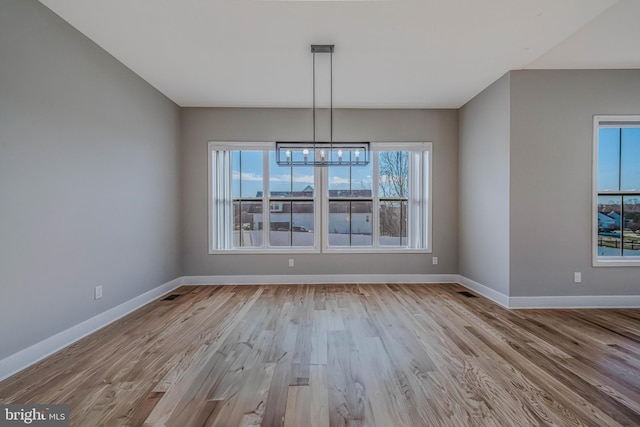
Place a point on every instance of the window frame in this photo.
(612, 121)
(321, 202)
(375, 198)
(265, 147)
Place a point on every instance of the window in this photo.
(383, 206)
(259, 206)
(616, 190)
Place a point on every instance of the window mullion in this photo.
(291, 223)
(351, 223)
(321, 207)
(621, 222)
(266, 200)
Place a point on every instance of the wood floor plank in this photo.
(319, 406)
(344, 355)
(279, 389)
(298, 412)
(345, 382)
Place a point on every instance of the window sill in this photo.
(365, 250)
(293, 251)
(617, 262)
(263, 251)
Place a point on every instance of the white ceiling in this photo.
(388, 54)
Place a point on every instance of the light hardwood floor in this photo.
(345, 355)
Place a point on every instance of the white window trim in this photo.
(375, 147)
(320, 216)
(258, 146)
(600, 121)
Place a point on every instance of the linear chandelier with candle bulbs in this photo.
(322, 153)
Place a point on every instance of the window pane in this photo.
(247, 174)
(350, 181)
(291, 224)
(339, 224)
(303, 181)
(361, 223)
(630, 174)
(608, 159)
(361, 181)
(609, 208)
(393, 174)
(393, 223)
(339, 181)
(303, 225)
(631, 232)
(287, 181)
(280, 223)
(350, 223)
(247, 224)
(279, 178)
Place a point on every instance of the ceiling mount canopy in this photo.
(322, 153)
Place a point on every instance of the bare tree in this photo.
(394, 174)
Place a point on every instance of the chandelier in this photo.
(322, 153)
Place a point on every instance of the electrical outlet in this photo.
(434, 260)
(577, 277)
(291, 263)
(97, 294)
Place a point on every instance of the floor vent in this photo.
(171, 297)
(467, 294)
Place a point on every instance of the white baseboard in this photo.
(18, 361)
(313, 279)
(578, 301)
(485, 291)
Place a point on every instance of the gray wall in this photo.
(484, 187)
(200, 125)
(551, 170)
(88, 178)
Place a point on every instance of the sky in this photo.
(249, 166)
(609, 166)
